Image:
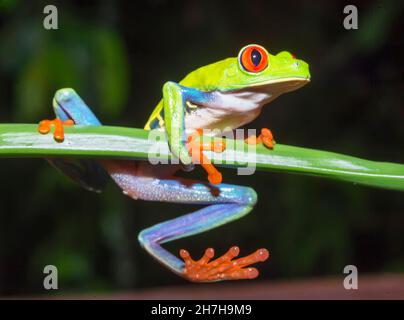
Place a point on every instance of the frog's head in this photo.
(256, 69)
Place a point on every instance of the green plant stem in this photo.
(23, 140)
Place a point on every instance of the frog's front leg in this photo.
(175, 97)
(70, 109)
(226, 203)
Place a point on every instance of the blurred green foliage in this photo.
(89, 57)
(117, 55)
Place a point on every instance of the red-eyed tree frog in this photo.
(226, 94)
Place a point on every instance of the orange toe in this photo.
(269, 143)
(44, 126)
(265, 132)
(252, 140)
(267, 138)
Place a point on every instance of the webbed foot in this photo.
(222, 268)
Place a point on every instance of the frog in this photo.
(223, 95)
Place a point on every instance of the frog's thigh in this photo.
(156, 183)
(143, 181)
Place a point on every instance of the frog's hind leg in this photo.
(225, 204)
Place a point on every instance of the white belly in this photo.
(208, 118)
(227, 111)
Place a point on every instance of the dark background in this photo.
(117, 55)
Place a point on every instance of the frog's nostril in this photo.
(297, 64)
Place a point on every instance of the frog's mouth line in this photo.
(277, 85)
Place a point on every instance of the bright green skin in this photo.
(283, 74)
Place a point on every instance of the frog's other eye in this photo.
(253, 58)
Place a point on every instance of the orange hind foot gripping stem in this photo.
(196, 149)
(222, 268)
(59, 135)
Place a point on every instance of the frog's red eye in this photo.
(253, 58)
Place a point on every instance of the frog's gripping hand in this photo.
(70, 109)
(266, 138)
(58, 133)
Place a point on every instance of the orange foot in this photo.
(222, 268)
(265, 137)
(196, 149)
(59, 135)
